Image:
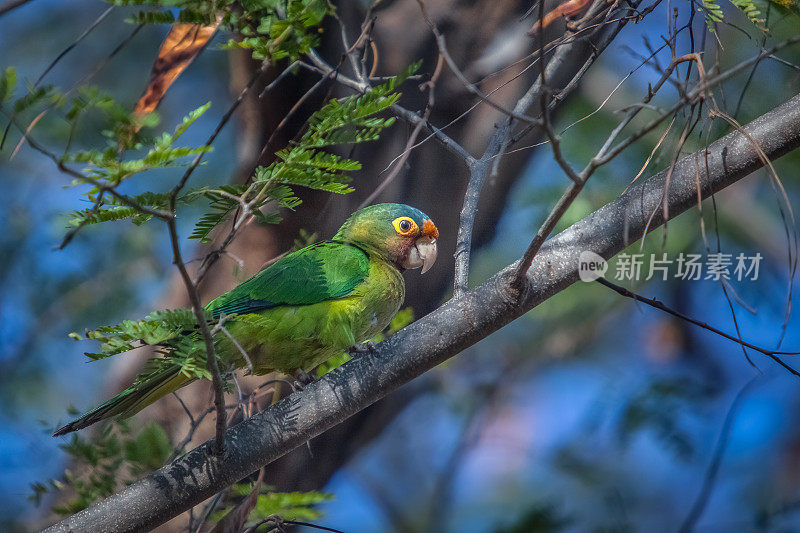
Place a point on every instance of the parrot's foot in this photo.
(364, 347)
(302, 378)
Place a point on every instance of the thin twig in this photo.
(699, 505)
(199, 313)
(436, 133)
(440, 42)
(401, 159)
(73, 44)
(88, 76)
(191, 286)
(538, 90)
(772, 354)
(124, 199)
(288, 116)
(222, 122)
(603, 156)
(279, 522)
(238, 347)
(321, 67)
(544, 230)
(210, 258)
(480, 168)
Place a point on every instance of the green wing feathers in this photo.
(320, 272)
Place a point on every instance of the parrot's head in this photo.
(401, 234)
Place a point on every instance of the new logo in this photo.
(591, 266)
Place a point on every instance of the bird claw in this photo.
(364, 347)
(302, 378)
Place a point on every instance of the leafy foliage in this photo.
(290, 505)
(104, 462)
(754, 10)
(97, 215)
(225, 199)
(109, 167)
(287, 505)
(276, 37)
(126, 152)
(272, 29)
(158, 328)
(304, 163)
(174, 331)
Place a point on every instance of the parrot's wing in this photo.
(322, 271)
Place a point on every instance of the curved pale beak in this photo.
(423, 254)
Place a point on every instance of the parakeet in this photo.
(306, 307)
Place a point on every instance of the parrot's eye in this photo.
(405, 225)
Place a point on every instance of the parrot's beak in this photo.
(423, 254)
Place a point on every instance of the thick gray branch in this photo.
(454, 326)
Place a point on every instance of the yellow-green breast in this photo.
(288, 338)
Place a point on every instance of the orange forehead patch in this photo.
(429, 229)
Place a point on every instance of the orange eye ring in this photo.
(405, 226)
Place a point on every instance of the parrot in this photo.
(306, 307)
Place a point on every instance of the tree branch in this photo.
(497, 145)
(456, 325)
(10, 5)
(652, 302)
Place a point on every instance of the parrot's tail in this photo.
(145, 391)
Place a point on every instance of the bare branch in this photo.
(208, 338)
(401, 159)
(102, 187)
(652, 302)
(478, 171)
(440, 42)
(606, 154)
(535, 92)
(320, 66)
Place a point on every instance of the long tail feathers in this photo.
(133, 399)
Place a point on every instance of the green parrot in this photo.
(306, 307)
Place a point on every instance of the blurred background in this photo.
(590, 413)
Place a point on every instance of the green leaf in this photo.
(149, 450)
(290, 505)
(120, 212)
(8, 84)
(159, 328)
(189, 119)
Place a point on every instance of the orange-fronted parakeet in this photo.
(306, 307)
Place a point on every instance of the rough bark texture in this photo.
(454, 326)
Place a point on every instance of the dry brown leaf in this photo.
(180, 47)
(567, 9)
